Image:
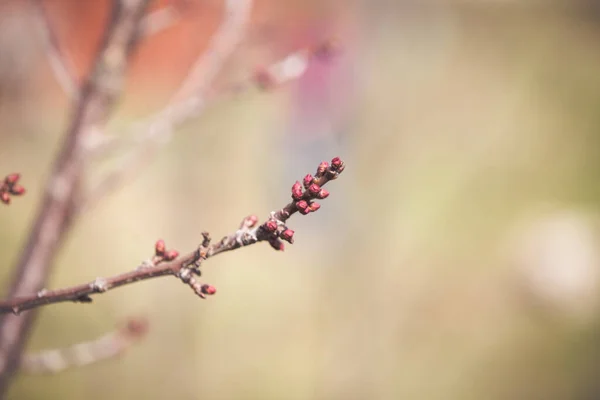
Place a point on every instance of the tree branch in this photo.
(186, 268)
(189, 101)
(103, 348)
(55, 215)
(61, 63)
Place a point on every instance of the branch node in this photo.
(99, 285)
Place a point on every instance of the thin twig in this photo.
(187, 267)
(159, 20)
(108, 346)
(55, 215)
(59, 60)
(188, 101)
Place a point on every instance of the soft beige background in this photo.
(455, 259)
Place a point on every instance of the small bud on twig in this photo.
(270, 226)
(308, 180)
(17, 190)
(277, 244)
(297, 191)
(208, 289)
(321, 169)
(323, 194)
(314, 189)
(287, 235)
(314, 206)
(160, 248)
(12, 179)
(5, 197)
(171, 255)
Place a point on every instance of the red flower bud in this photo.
(337, 163)
(287, 235)
(297, 191)
(321, 169)
(314, 206)
(5, 197)
(270, 226)
(208, 289)
(277, 244)
(12, 179)
(17, 190)
(308, 179)
(171, 255)
(314, 189)
(302, 205)
(323, 194)
(159, 247)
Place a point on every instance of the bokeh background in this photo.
(457, 258)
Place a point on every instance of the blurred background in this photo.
(457, 257)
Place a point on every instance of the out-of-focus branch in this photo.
(188, 101)
(186, 268)
(148, 137)
(59, 60)
(98, 96)
(108, 346)
(159, 20)
(10, 186)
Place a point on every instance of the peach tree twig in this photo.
(187, 268)
(110, 345)
(56, 211)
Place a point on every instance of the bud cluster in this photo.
(162, 254)
(304, 195)
(10, 186)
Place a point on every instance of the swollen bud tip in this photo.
(17, 190)
(308, 180)
(209, 289)
(159, 247)
(12, 179)
(271, 226)
(171, 255)
(287, 235)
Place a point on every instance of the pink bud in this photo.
(287, 235)
(270, 226)
(4, 197)
(314, 189)
(314, 206)
(208, 289)
(12, 179)
(322, 168)
(323, 194)
(336, 163)
(171, 255)
(308, 179)
(277, 244)
(302, 205)
(159, 247)
(17, 190)
(297, 191)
